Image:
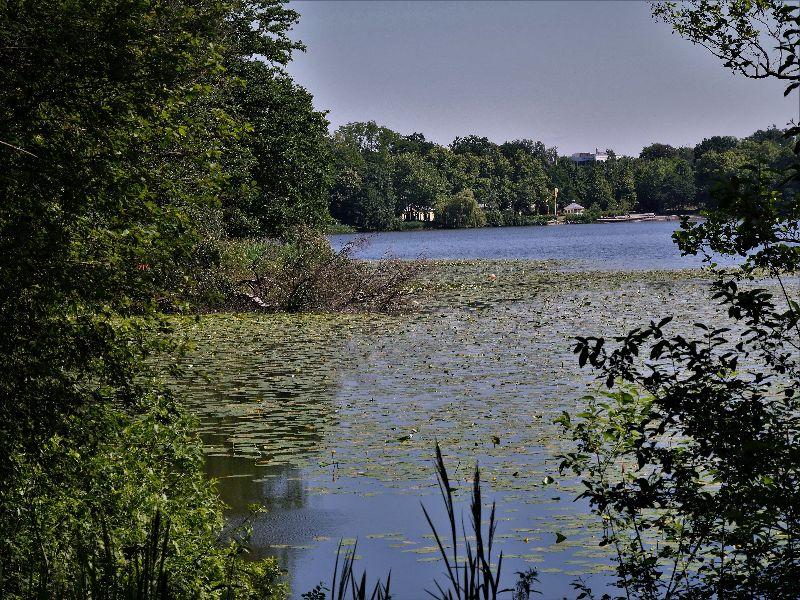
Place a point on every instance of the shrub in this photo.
(303, 273)
(512, 218)
(460, 210)
(587, 216)
(122, 511)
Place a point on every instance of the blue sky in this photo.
(576, 75)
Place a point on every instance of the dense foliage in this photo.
(380, 174)
(460, 210)
(280, 168)
(693, 460)
(118, 139)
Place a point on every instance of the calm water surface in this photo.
(626, 246)
(329, 421)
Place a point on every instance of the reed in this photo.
(470, 575)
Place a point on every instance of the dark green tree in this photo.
(414, 143)
(625, 198)
(460, 210)
(665, 185)
(717, 143)
(363, 194)
(771, 134)
(111, 146)
(529, 184)
(534, 148)
(417, 183)
(280, 168)
(368, 137)
(654, 151)
(474, 145)
(599, 193)
(290, 164)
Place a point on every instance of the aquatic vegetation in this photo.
(310, 408)
(475, 577)
(345, 585)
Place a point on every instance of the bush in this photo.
(514, 219)
(124, 510)
(304, 273)
(587, 216)
(460, 210)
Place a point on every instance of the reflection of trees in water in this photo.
(242, 483)
(287, 523)
(263, 390)
(287, 557)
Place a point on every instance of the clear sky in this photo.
(576, 75)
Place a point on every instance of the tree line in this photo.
(367, 176)
(378, 174)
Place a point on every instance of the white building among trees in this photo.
(586, 157)
(573, 209)
(425, 214)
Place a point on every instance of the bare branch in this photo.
(18, 149)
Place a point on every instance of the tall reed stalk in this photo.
(469, 576)
(473, 577)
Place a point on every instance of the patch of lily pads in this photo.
(483, 366)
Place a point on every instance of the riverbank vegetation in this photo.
(692, 458)
(302, 273)
(121, 156)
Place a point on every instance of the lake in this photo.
(626, 246)
(329, 421)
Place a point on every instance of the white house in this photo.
(587, 157)
(414, 213)
(573, 209)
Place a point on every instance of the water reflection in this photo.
(244, 483)
(264, 389)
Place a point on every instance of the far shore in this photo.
(560, 220)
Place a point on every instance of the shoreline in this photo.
(630, 218)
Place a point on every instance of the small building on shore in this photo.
(573, 209)
(424, 214)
